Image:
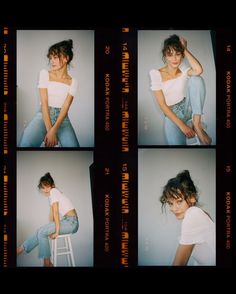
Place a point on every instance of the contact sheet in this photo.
(117, 175)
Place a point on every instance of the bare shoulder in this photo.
(67, 80)
(69, 77)
(163, 74)
(162, 69)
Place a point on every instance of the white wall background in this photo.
(150, 117)
(70, 171)
(158, 232)
(32, 48)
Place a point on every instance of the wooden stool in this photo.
(63, 250)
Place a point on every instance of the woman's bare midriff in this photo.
(71, 213)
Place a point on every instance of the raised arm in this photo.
(196, 68)
(183, 254)
(189, 133)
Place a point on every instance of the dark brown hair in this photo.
(46, 180)
(182, 186)
(62, 48)
(172, 43)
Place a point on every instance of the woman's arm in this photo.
(51, 218)
(183, 254)
(188, 132)
(44, 106)
(196, 68)
(55, 209)
(64, 110)
(46, 117)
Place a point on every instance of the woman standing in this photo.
(180, 93)
(51, 124)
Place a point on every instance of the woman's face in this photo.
(57, 62)
(46, 189)
(178, 207)
(173, 58)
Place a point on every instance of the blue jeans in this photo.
(185, 109)
(35, 131)
(68, 224)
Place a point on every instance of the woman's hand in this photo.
(183, 42)
(54, 235)
(189, 132)
(196, 68)
(50, 139)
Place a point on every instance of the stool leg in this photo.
(55, 252)
(71, 252)
(52, 252)
(67, 249)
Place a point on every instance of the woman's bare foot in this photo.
(47, 262)
(48, 265)
(19, 250)
(204, 138)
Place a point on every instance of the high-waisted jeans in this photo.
(185, 109)
(35, 131)
(68, 224)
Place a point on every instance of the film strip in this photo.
(8, 201)
(115, 171)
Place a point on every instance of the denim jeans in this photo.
(35, 131)
(68, 224)
(185, 109)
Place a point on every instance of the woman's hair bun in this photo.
(70, 43)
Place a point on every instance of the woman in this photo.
(197, 237)
(51, 124)
(169, 84)
(59, 205)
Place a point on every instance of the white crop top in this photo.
(197, 228)
(65, 204)
(174, 90)
(57, 91)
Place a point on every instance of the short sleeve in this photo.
(155, 80)
(43, 79)
(194, 226)
(54, 196)
(73, 87)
